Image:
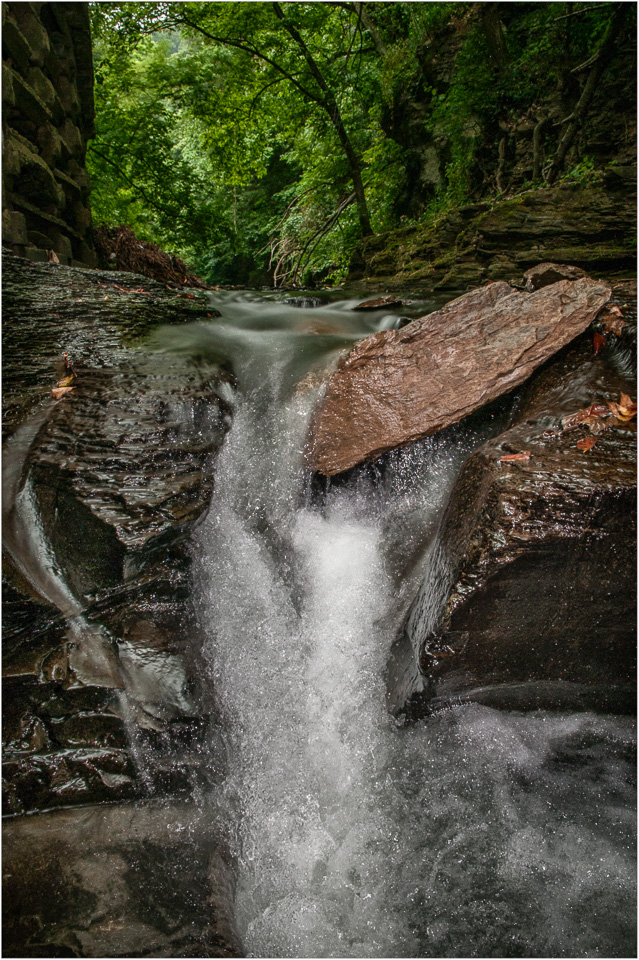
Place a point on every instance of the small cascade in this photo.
(475, 833)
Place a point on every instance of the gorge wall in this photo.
(48, 114)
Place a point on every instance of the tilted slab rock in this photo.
(528, 599)
(399, 385)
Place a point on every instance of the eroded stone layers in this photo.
(399, 385)
(535, 601)
(592, 225)
(47, 118)
(116, 477)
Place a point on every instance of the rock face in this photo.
(116, 881)
(399, 385)
(592, 226)
(47, 118)
(529, 595)
(104, 698)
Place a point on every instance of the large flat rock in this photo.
(399, 385)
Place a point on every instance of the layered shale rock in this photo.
(101, 488)
(104, 703)
(529, 595)
(399, 385)
(590, 225)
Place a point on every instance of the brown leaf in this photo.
(614, 325)
(626, 406)
(598, 342)
(524, 455)
(587, 443)
(594, 410)
(57, 392)
(595, 424)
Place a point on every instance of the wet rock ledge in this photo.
(102, 695)
(528, 597)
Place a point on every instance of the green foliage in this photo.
(233, 134)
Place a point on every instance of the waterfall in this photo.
(474, 833)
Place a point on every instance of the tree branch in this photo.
(253, 51)
(601, 59)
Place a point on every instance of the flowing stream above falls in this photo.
(474, 833)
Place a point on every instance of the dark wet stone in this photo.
(116, 881)
(98, 620)
(546, 273)
(535, 561)
(379, 303)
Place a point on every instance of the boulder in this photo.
(379, 303)
(545, 273)
(529, 596)
(399, 385)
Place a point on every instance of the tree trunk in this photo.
(329, 104)
(601, 61)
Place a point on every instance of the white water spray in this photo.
(475, 833)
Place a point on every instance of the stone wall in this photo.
(47, 118)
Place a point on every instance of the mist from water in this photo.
(475, 833)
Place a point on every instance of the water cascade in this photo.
(473, 833)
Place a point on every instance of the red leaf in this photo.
(587, 443)
(524, 455)
(598, 342)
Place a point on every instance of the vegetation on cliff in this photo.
(262, 141)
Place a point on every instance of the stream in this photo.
(473, 833)
(476, 832)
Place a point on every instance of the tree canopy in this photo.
(260, 141)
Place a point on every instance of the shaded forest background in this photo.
(260, 142)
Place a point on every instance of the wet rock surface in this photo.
(535, 560)
(399, 385)
(116, 881)
(103, 698)
(592, 226)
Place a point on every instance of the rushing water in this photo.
(473, 833)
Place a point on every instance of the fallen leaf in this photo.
(587, 443)
(53, 258)
(524, 455)
(66, 381)
(594, 410)
(626, 406)
(57, 392)
(614, 325)
(595, 424)
(598, 342)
